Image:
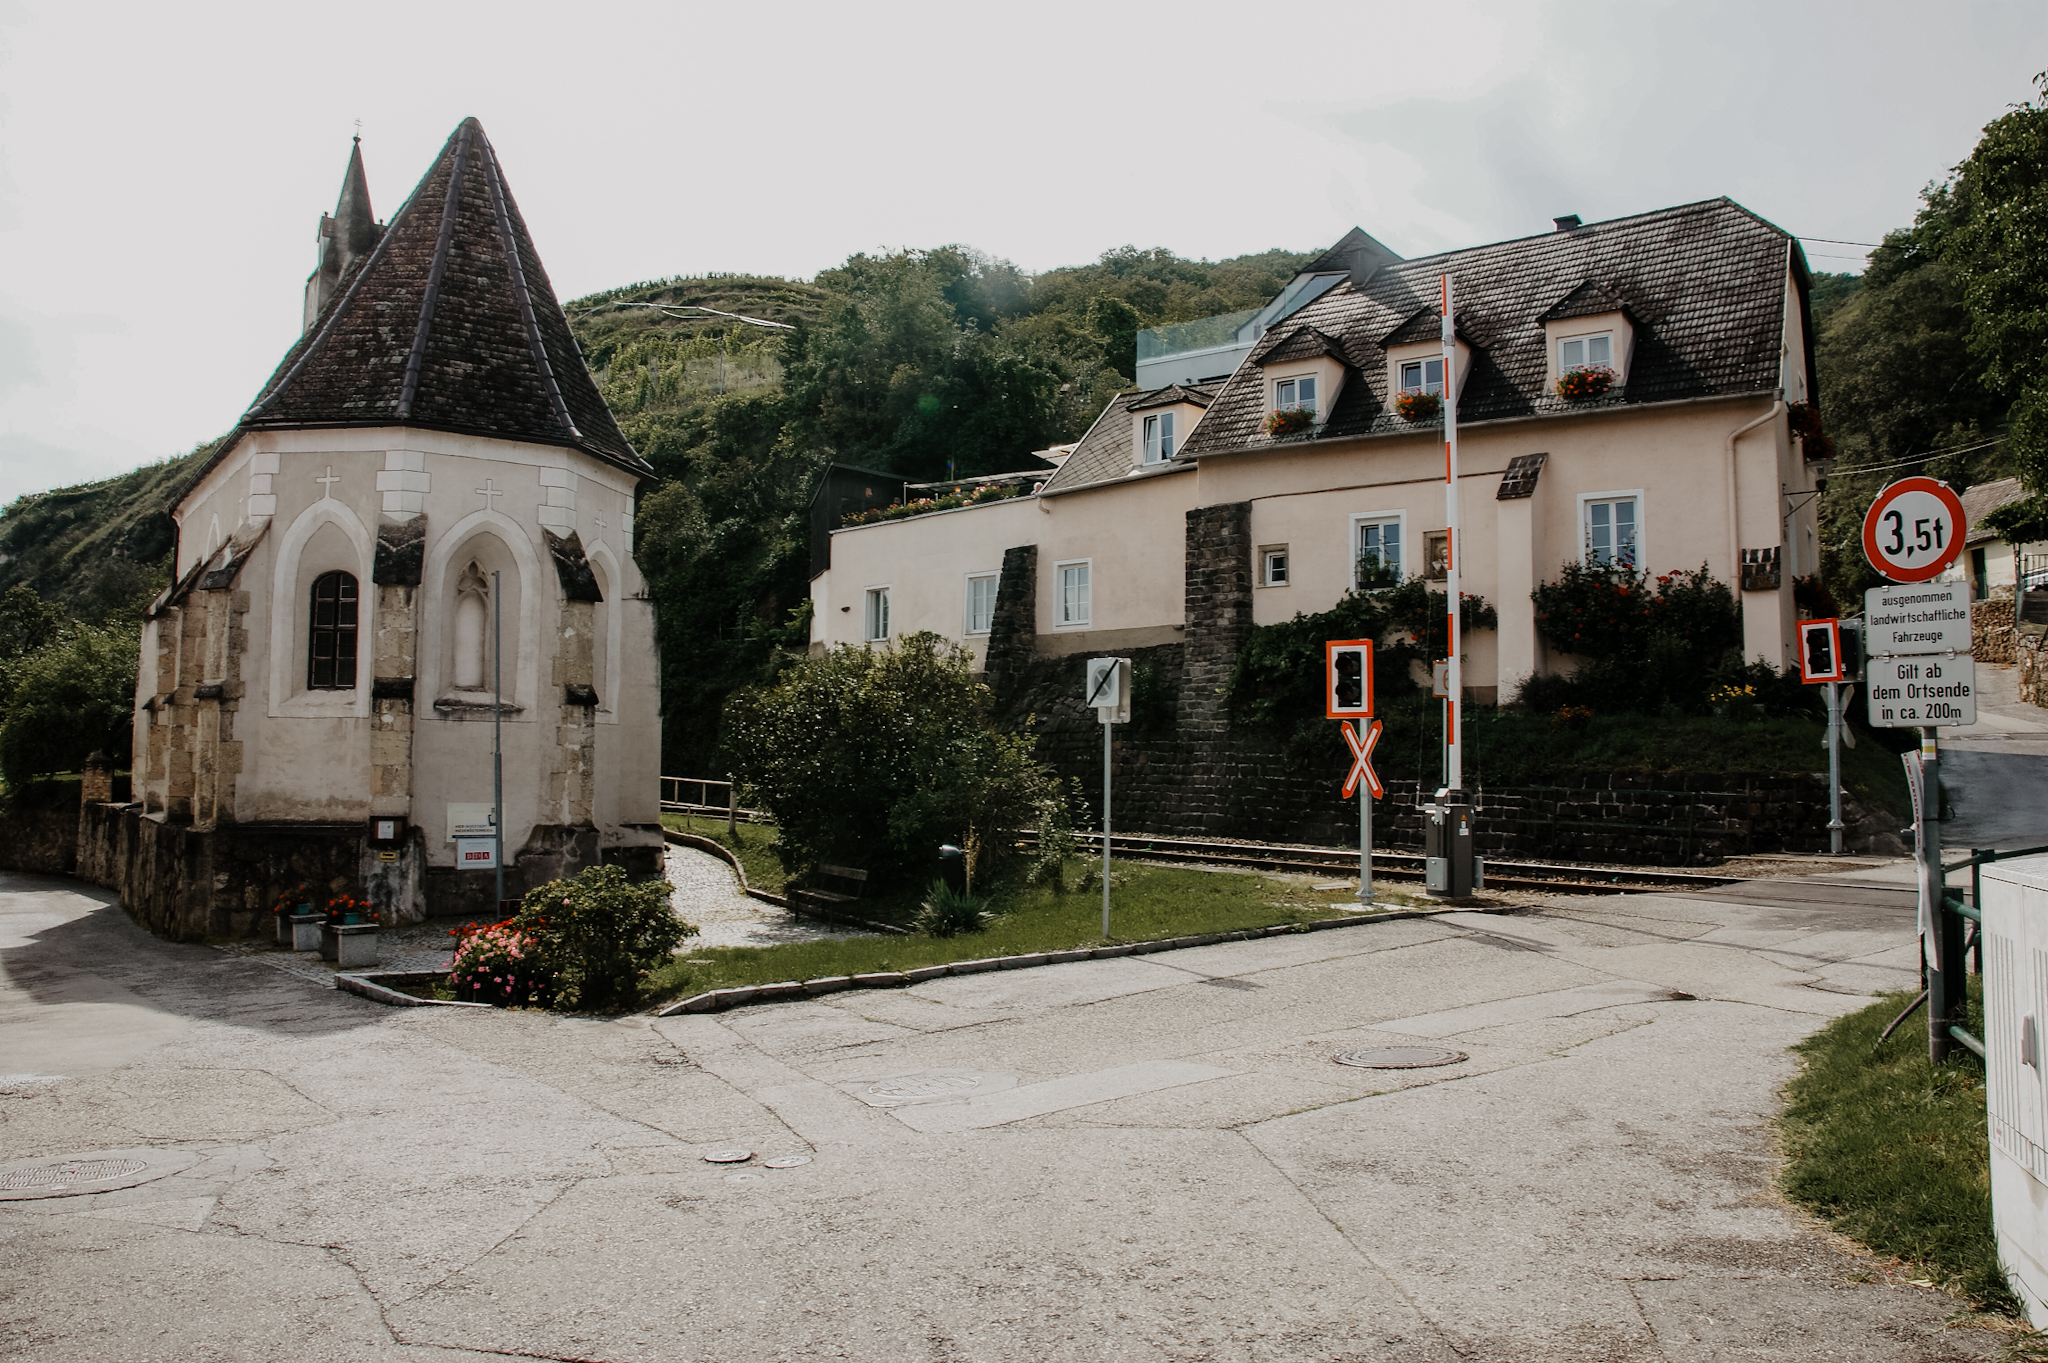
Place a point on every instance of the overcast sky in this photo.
(163, 168)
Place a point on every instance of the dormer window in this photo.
(1581, 352)
(1159, 438)
(1295, 394)
(1423, 376)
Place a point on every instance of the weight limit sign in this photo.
(1914, 529)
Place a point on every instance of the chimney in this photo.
(1567, 222)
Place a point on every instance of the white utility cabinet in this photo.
(2015, 911)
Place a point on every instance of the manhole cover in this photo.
(917, 1088)
(90, 1171)
(1400, 1058)
(67, 1173)
(728, 1157)
(787, 1161)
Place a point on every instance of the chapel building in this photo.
(429, 471)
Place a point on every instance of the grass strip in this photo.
(752, 843)
(1894, 1152)
(1147, 903)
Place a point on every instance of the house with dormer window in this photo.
(1622, 391)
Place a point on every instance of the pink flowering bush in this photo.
(498, 963)
(599, 935)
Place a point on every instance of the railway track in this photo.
(1504, 875)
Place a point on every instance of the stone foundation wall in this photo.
(1236, 783)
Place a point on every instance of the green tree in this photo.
(874, 757)
(66, 700)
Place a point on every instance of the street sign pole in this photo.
(1835, 768)
(1108, 688)
(1364, 836)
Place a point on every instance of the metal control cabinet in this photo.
(1451, 870)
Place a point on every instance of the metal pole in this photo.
(1835, 768)
(1106, 727)
(732, 807)
(1364, 832)
(1944, 976)
(498, 732)
(1454, 682)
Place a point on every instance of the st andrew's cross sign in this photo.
(1361, 758)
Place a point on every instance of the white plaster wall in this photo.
(308, 757)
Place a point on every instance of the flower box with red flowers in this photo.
(1418, 406)
(1290, 421)
(1585, 383)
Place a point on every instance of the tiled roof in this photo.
(1983, 499)
(1294, 343)
(1703, 282)
(1587, 300)
(450, 324)
(1104, 454)
(1199, 394)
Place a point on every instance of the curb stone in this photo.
(718, 1000)
(376, 988)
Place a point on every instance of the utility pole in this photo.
(498, 731)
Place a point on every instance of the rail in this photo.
(674, 789)
(1970, 910)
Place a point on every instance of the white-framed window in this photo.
(1580, 351)
(1423, 376)
(981, 602)
(1612, 524)
(1295, 392)
(876, 617)
(1376, 544)
(1273, 565)
(1159, 438)
(1072, 593)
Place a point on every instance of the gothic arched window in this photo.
(331, 652)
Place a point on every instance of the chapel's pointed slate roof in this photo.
(450, 324)
(355, 222)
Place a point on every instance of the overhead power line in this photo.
(1837, 241)
(678, 309)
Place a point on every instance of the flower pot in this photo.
(305, 931)
(282, 924)
(355, 944)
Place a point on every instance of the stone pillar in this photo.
(1218, 612)
(1013, 631)
(1515, 551)
(396, 886)
(572, 780)
(96, 782)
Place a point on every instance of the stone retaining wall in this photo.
(1991, 632)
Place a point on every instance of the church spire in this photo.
(346, 236)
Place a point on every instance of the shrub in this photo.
(946, 912)
(497, 963)
(1057, 840)
(872, 757)
(599, 933)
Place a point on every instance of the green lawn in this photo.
(1893, 1152)
(1147, 902)
(754, 845)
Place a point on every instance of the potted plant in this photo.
(1418, 406)
(298, 922)
(349, 936)
(1584, 383)
(1290, 421)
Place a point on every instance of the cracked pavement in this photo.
(1137, 1158)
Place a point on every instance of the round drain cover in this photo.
(787, 1161)
(911, 1088)
(1400, 1058)
(65, 1173)
(728, 1157)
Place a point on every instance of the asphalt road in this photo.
(1143, 1158)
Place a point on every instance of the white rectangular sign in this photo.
(476, 854)
(471, 821)
(1925, 617)
(1108, 688)
(1922, 690)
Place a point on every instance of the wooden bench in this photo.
(851, 878)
